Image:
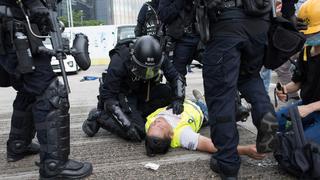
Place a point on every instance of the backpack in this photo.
(294, 154)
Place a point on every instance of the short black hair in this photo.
(156, 145)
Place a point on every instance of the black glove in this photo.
(213, 3)
(177, 106)
(133, 134)
(39, 14)
(298, 23)
(141, 130)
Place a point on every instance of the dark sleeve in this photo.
(142, 14)
(169, 71)
(138, 30)
(169, 10)
(28, 3)
(112, 82)
(288, 8)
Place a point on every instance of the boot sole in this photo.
(270, 128)
(63, 177)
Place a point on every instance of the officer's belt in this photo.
(9, 12)
(190, 29)
(230, 4)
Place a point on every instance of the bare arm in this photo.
(315, 106)
(291, 87)
(205, 144)
(305, 110)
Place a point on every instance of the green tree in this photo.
(79, 21)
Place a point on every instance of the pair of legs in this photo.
(311, 123)
(160, 96)
(41, 106)
(232, 61)
(184, 52)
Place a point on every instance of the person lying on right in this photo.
(306, 77)
(165, 129)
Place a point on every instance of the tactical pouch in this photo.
(283, 42)
(202, 19)
(256, 7)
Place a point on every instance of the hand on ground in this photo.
(251, 151)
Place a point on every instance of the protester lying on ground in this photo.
(306, 77)
(165, 129)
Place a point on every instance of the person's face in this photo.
(160, 128)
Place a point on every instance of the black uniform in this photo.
(148, 22)
(307, 73)
(136, 97)
(232, 59)
(41, 104)
(181, 36)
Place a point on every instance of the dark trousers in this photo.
(184, 52)
(232, 61)
(28, 87)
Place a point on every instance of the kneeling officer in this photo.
(131, 89)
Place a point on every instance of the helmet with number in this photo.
(147, 58)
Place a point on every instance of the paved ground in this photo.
(114, 158)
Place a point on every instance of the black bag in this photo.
(283, 42)
(294, 154)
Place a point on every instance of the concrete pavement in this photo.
(114, 158)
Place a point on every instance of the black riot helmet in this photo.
(147, 58)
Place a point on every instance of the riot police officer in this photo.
(232, 59)
(41, 104)
(181, 37)
(148, 22)
(131, 89)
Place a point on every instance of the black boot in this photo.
(216, 168)
(53, 132)
(91, 126)
(266, 139)
(22, 130)
(17, 150)
(71, 169)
